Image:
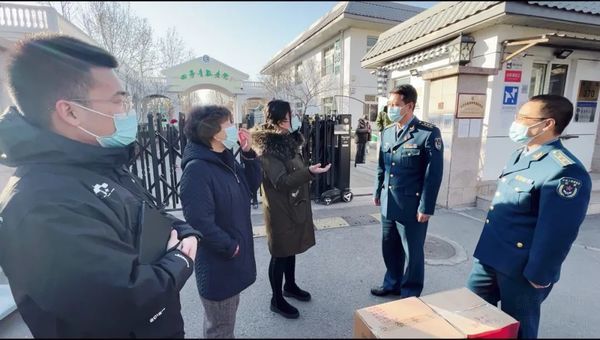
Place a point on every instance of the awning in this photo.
(553, 40)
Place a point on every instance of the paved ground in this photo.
(347, 261)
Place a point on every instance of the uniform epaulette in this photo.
(562, 159)
(390, 125)
(426, 124)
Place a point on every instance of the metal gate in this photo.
(157, 158)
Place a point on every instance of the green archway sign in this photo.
(204, 72)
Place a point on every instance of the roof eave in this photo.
(473, 23)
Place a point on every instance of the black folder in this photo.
(155, 230)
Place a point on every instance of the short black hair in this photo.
(47, 67)
(204, 122)
(277, 111)
(408, 92)
(556, 107)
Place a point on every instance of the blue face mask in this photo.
(394, 114)
(231, 137)
(295, 124)
(518, 133)
(125, 129)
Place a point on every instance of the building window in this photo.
(558, 79)
(371, 41)
(327, 61)
(538, 79)
(370, 107)
(297, 71)
(337, 57)
(548, 82)
(327, 105)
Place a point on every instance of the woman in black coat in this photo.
(215, 194)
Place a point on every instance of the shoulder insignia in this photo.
(568, 187)
(426, 124)
(562, 159)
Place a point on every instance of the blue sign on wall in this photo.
(510, 95)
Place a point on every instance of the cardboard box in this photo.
(406, 318)
(457, 313)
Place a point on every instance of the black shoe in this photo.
(297, 293)
(284, 309)
(380, 291)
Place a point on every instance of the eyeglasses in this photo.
(124, 101)
(522, 117)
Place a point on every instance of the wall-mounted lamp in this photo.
(460, 49)
(563, 53)
(415, 73)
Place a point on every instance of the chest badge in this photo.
(568, 187)
(102, 190)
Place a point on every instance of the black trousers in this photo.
(360, 153)
(278, 267)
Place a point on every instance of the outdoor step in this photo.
(484, 202)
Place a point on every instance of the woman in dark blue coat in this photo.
(215, 193)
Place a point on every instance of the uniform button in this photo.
(393, 163)
(391, 175)
(492, 207)
(417, 194)
(497, 193)
(504, 180)
(390, 187)
(487, 221)
(410, 154)
(519, 245)
(394, 151)
(517, 189)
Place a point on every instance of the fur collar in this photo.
(266, 141)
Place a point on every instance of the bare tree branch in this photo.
(172, 50)
(303, 85)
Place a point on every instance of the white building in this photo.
(335, 44)
(521, 49)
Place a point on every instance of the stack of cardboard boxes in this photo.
(456, 313)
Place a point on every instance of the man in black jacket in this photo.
(70, 215)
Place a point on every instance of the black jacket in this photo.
(68, 235)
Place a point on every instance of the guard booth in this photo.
(328, 142)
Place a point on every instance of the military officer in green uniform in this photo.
(409, 175)
(541, 200)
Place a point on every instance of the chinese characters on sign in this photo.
(470, 105)
(206, 74)
(512, 76)
(587, 101)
